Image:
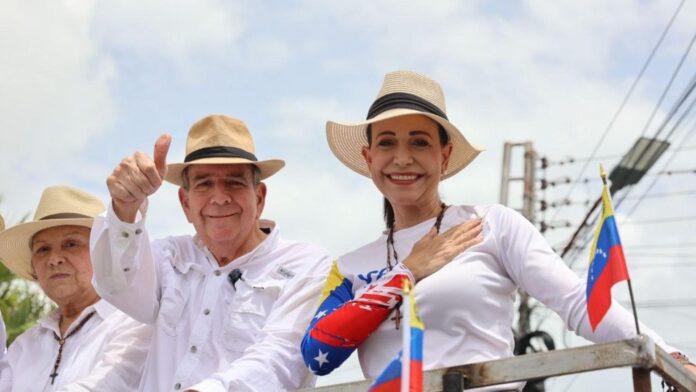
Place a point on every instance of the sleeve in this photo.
(5, 375)
(119, 366)
(274, 362)
(342, 323)
(5, 370)
(124, 269)
(537, 269)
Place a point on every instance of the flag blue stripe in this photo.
(608, 237)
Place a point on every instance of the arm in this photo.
(124, 271)
(120, 363)
(342, 323)
(274, 362)
(537, 269)
(5, 375)
(124, 268)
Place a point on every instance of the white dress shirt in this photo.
(209, 335)
(468, 305)
(106, 354)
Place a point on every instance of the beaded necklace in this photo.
(391, 250)
(61, 342)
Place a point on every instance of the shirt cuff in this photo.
(402, 269)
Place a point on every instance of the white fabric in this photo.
(468, 305)
(209, 335)
(106, 354)
(3, 337)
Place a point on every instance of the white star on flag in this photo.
(320, 314)
(322, 358)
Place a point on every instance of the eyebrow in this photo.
(33, 241)
(419, 132)
(199, 177)
(416, 132)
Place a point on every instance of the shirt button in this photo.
(138, 231)
(217, 272)
(206, 312)
(124, 234)
(177, 386)
(194, 349)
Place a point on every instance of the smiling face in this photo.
(61, 262)
(224, 204)
(406, 159)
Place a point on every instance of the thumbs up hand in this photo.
(136, 177)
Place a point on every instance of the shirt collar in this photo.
(52, 319)
(265, 247)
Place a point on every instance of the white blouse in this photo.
(106, 354)
(468, 305)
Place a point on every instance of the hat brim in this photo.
(14, 242)
(347, 139)
(267, 168)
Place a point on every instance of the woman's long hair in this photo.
(388, 209)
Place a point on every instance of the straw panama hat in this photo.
(220, 140)
(403, 93)
(59, 206)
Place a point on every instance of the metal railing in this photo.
(640, 353)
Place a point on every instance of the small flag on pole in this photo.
(405, 372)
(607, 262)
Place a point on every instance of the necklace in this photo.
(61, 342)
(391, 250)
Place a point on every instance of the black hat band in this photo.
(220, 151)
(403, 101)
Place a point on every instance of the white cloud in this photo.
(55, 95)
(176, 30)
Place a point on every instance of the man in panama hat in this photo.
(86, 343)
(232, 302)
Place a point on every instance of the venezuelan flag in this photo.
(405, 375)
(607, 262)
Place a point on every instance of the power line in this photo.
(664, 303)
(660, 220)
(625, 100)
(652, 184)
(566, 180)
(571, 160)
(581, 229)
(587, 202)
(654, 246)
(669, 84)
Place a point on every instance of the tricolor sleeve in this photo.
(342, 322)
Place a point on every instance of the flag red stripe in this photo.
(416, 380)
(614, 271)
(393, 385)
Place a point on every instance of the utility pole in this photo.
(527, 178)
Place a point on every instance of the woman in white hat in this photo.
(465, 279)
(85, 343)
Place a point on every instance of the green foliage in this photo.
(21, 303)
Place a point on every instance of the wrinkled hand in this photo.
(137, 177)
(433, 251)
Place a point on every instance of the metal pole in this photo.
(641, 380)
(505, 177)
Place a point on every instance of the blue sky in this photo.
(84, 83)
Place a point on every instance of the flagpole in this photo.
(406, 338)
(603, 174)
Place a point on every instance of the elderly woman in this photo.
(85, 344)
(465, 278)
